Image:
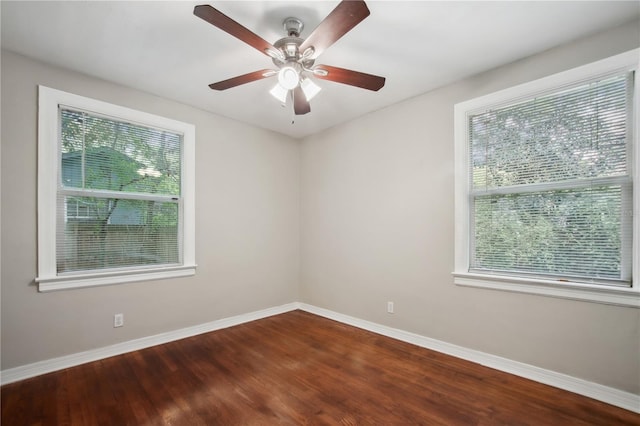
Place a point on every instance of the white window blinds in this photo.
(119, 197)
(551, 185)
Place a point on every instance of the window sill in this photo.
(99, 279)
(611, 296)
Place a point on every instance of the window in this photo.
(115, 194)
(545, 189)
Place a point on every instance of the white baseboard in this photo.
(55, 364)
(602, 393)
(619, 398)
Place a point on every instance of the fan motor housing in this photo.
(289, 46)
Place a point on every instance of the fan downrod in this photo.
(293, 26)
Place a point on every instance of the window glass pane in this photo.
(104, 154)
(575, 233)
(99, 233)
(574, 134)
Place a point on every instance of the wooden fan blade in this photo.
(300, 104)
(340, 21)
(241, 79)
(350, 77)
(228, 25)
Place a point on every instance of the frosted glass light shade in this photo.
(280, 93)
(288, 78)
(309, 88)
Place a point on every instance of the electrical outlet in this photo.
(390, 307)
(118, 320)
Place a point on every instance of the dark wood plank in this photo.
(292, 369)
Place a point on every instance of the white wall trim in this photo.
(612, 396)
(47, 366)
(606, 394)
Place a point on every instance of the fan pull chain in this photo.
(293, 115)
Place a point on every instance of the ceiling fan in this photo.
(295, 57)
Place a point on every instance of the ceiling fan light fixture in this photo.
(288, 77)
(280, 93)
(309, 88)
(295, 57)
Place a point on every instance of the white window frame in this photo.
(49, 165)
(622, 296)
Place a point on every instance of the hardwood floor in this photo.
(294, 369)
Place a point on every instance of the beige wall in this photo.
(377, 226)
(247, 242)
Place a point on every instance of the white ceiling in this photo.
(162, 48)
